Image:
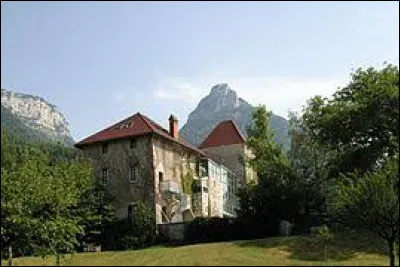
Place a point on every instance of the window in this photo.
(160, 177)
(105, 148)
(133, 143)
(133, 174)
(104, 176)
(131, 208)
(197, 188)
(124, 126)
(130, 211)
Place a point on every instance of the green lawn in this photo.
(296, 250)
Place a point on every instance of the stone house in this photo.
(139, 160)
(227, 146)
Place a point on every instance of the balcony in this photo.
(200, 186)
(170, 187)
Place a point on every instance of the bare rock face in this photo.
(223, 104)
(36, 114)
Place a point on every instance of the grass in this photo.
(345, 249)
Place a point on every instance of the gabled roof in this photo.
(225, 133)
(132, 126)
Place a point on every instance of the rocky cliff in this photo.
(223, 104)
(40, 118)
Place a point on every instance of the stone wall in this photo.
(208, 203)
(118, 160)
(157, 157)
(215, 198)
(251, 175)
(200, 199)
(171, 161)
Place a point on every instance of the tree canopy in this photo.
(361, 120)
(43, 194)
(370, 202)
(276, 195)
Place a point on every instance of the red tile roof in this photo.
(225, 133)
(135, 125)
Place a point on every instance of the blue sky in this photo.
(100, 62)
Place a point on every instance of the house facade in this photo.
(227, 146)
(139, 160)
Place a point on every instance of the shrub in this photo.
(216, 229)
(257, 227)
(324, 235)
(132, 233)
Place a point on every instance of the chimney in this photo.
(173, 126)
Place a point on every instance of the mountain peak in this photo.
(222, 89)
(221, 104)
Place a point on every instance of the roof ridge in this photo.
(143, 117)
(224, 127)
(237, 130)
(108, 128)
(147, 126)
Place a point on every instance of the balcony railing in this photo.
(171, 187)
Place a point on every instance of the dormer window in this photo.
(124, 125)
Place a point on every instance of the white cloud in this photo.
(279, 94)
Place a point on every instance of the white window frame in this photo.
(133, 173)
(104, 178)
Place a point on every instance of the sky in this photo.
(100, 62)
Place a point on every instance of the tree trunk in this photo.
(307, 207)
(391, 252)
(58, 260)
(10, 255)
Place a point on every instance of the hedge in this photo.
(224, 229)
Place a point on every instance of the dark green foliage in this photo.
(36, 199)
(95, 211)
(370, 202)
(312, 162)
(12, 124)
(209, 230)
(21, 131)
(267, 154)
(270, 199)
(215, 229)
(16, 150)
(188, 183)
(276, 195)
(45, 198)
(360, 126)
(360, 121)
(139, 231)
